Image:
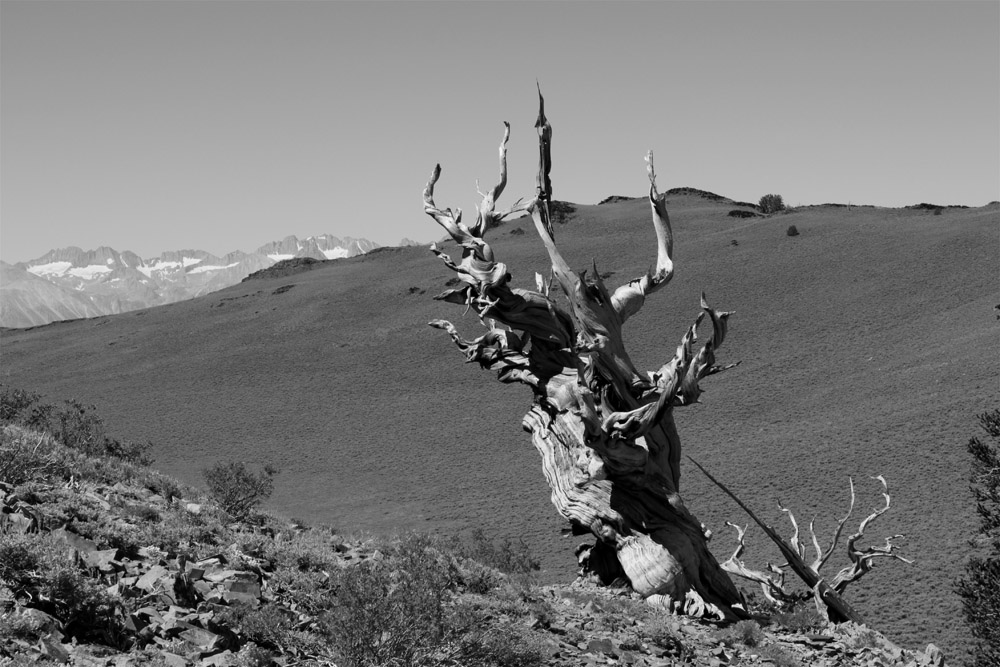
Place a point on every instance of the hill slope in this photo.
(105, 562)
(868, 344)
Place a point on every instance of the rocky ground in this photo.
(105, 562)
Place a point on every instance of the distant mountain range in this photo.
(69, 283)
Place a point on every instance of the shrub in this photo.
(792, 230)
(747, 633)
(393, 610)
(400, 609)
(771, 204)
(15, 402)
(41, 569)
(507, 556)
(660, 631)
(980, 587)
(236, 489)
(800, 619)
(76, 425)
(778, 656)
(26, 455)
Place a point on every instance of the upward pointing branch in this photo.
(628, 298)
(540, 206)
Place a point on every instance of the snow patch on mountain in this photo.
(89, 272)
(206, 269)
(50, 269)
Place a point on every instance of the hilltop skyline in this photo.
(156, 126)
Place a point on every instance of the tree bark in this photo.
(605, 431)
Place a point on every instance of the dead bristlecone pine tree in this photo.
(605, 430)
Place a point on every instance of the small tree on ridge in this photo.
(771, 204)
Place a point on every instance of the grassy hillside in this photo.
(868, 344)
(105, 562)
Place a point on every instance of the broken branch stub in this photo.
(605, 431)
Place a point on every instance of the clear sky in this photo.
(152, 126)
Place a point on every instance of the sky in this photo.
(220, 126)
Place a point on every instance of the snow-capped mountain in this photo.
(69, 282)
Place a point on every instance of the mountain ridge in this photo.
(104, 281)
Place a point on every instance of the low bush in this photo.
(27, 455)
(778, 656)
(771, 204)
(400, 609)
(506, 555)
(41, 568)
(792, 230)
(236, 489)
(15, 402)
(746, 633)
(76, 425)
(392, 610)
(801, 618)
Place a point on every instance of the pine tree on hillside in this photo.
(980, 587)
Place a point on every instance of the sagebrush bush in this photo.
(778, 656)
(792, 230)
(505, 555)
(15, 402)
(747, 633)
(801, 618)
(980, 587)
(400, 609)
(236, 489)
(27, 455)
(393, 610)
(771, 204)
(41, 568)
(76, 425)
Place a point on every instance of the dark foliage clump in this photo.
(560, 211)
(614, 199)
(397, 610)
(507, 556)
(42, 570)
(236, 489)
(704, 194)
(286, 267)
(800, 619)
(792, 230)
(771, 204)
(924, 206)
(980, 587)
(75, 425)
(737, 213)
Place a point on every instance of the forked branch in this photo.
(826, 592)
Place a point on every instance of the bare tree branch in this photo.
(628, 298)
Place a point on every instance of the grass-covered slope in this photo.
(868, 344)
(105, 562)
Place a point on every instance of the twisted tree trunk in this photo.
(610, 449)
